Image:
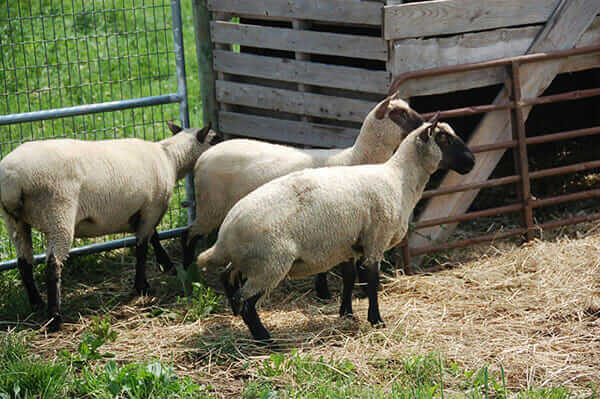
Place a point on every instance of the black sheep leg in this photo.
(321, 286)
(372, 285)
(349, 275)
(189, 249)
(26, 272)
(53, 283)
(161, 255)
(141, 283)
(250, 316)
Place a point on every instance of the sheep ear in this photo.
(201, 135)
(382, 108)
(407, 119)
(427, 133)
(174, 128)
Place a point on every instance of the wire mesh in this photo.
(56, 54)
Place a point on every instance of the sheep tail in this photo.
(211, 259)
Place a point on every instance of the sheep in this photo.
(71, 188)
(309, 221)
(232, 169)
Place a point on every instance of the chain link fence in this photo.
(91, 70)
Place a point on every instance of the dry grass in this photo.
(535, 309)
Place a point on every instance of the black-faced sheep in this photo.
(72, 188)
(309, 221)
(232, 169)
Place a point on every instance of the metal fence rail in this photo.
(526, 203)
(91, 70)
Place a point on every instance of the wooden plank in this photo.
(463, 81)
(442, 17)
(373, 48)
(286, 131)
(562, 31)
(306, 72)
(347, 11)
(417, 54)
(295, 102)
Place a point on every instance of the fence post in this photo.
(204, 52)
(522, 161)
(184, 113)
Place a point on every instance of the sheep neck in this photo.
(413, 170)
(181, 156)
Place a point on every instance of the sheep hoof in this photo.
(55, 324)
(378, 324)
(324, 295)
(142, 288)
(236, 307)
(349, 317)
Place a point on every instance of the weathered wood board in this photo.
(417, 54)
(367, 47)
(443, 17)
(562, 31)
(347, 11)
(295, 102)
(306, 72)
(286, 131)
(487, 77)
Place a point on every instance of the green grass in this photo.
(291, 375)
(23, 375)
(93, 52)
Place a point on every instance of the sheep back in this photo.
(106, 181)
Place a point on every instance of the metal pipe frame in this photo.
(519, 143)
(180, 97)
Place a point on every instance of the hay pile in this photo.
(534, 309)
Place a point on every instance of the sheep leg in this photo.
(321, 286)
(26, 272)
(161, 255)
(20, 234)
(252, 320)
(59, 237)
(189, 247)
(349, 274)
(362, 279)
(53, 283)
(372, 286)
(231, 286)
(141, 283)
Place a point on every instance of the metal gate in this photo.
(526, 203)
(92, 70)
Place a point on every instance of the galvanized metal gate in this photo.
(92, 70)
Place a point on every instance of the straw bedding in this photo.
(534, 309)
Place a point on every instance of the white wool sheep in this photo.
(71, 188)
(309, 221)
(232, 169)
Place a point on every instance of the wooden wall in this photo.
(303, 72)
(428, 35)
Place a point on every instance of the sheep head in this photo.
(443, 149)
(385, 127)
(186, 145)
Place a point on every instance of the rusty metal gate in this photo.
(526, 202)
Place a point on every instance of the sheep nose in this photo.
(469, 159)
